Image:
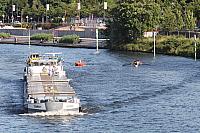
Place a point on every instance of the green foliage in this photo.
(36, 9)
(42, 36)
(4, 35)
(70, 39)
(171, 45)
(174, 45)
(168, 22)
(131, 19)
(3, 6)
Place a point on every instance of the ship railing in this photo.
(44, 99)
(56, 93)
(49, 80)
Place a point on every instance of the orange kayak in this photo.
(80, 63)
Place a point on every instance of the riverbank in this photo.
(89, 43)
(169, 45)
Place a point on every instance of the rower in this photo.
(80, 63)
(136, 63)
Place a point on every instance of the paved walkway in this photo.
(85, 42)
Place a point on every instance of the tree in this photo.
(195, 7)
(189, 20)
(3, 6)
(130, 20)
(168, 21)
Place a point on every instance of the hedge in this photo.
(4, 35)
(42, 36)
(70, 39)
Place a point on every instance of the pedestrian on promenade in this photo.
(15, 39)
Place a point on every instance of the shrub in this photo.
(4, 35)
(171, 45)
(70, 39)
(42, 36)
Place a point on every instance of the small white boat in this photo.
(46, 87)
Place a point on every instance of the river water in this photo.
(162, 95)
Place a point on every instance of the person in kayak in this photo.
(136, 63)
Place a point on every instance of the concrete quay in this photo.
(89, 43)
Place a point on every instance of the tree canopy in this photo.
(131, 18)
(36, 9)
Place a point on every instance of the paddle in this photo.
(146, 64)
(127, 64)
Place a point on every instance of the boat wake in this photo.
(54, 113)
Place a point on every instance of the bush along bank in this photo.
(70, 39)
(169, 45)
(4, 35)
(42, 37)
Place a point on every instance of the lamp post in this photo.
(47, 9)
(31, 19)
(27, 19)
(105, 8)
(3, 18)
(12, 17)
(13, 9)
(79, 8)
(21, 17)
(154, 44)
(195, 48)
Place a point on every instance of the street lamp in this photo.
(13, 9)
(12, 17)
(47, 9)
(27, 19)
(79, 8)
(105, 8)
(3, 18)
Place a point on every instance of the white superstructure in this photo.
(46, 87)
